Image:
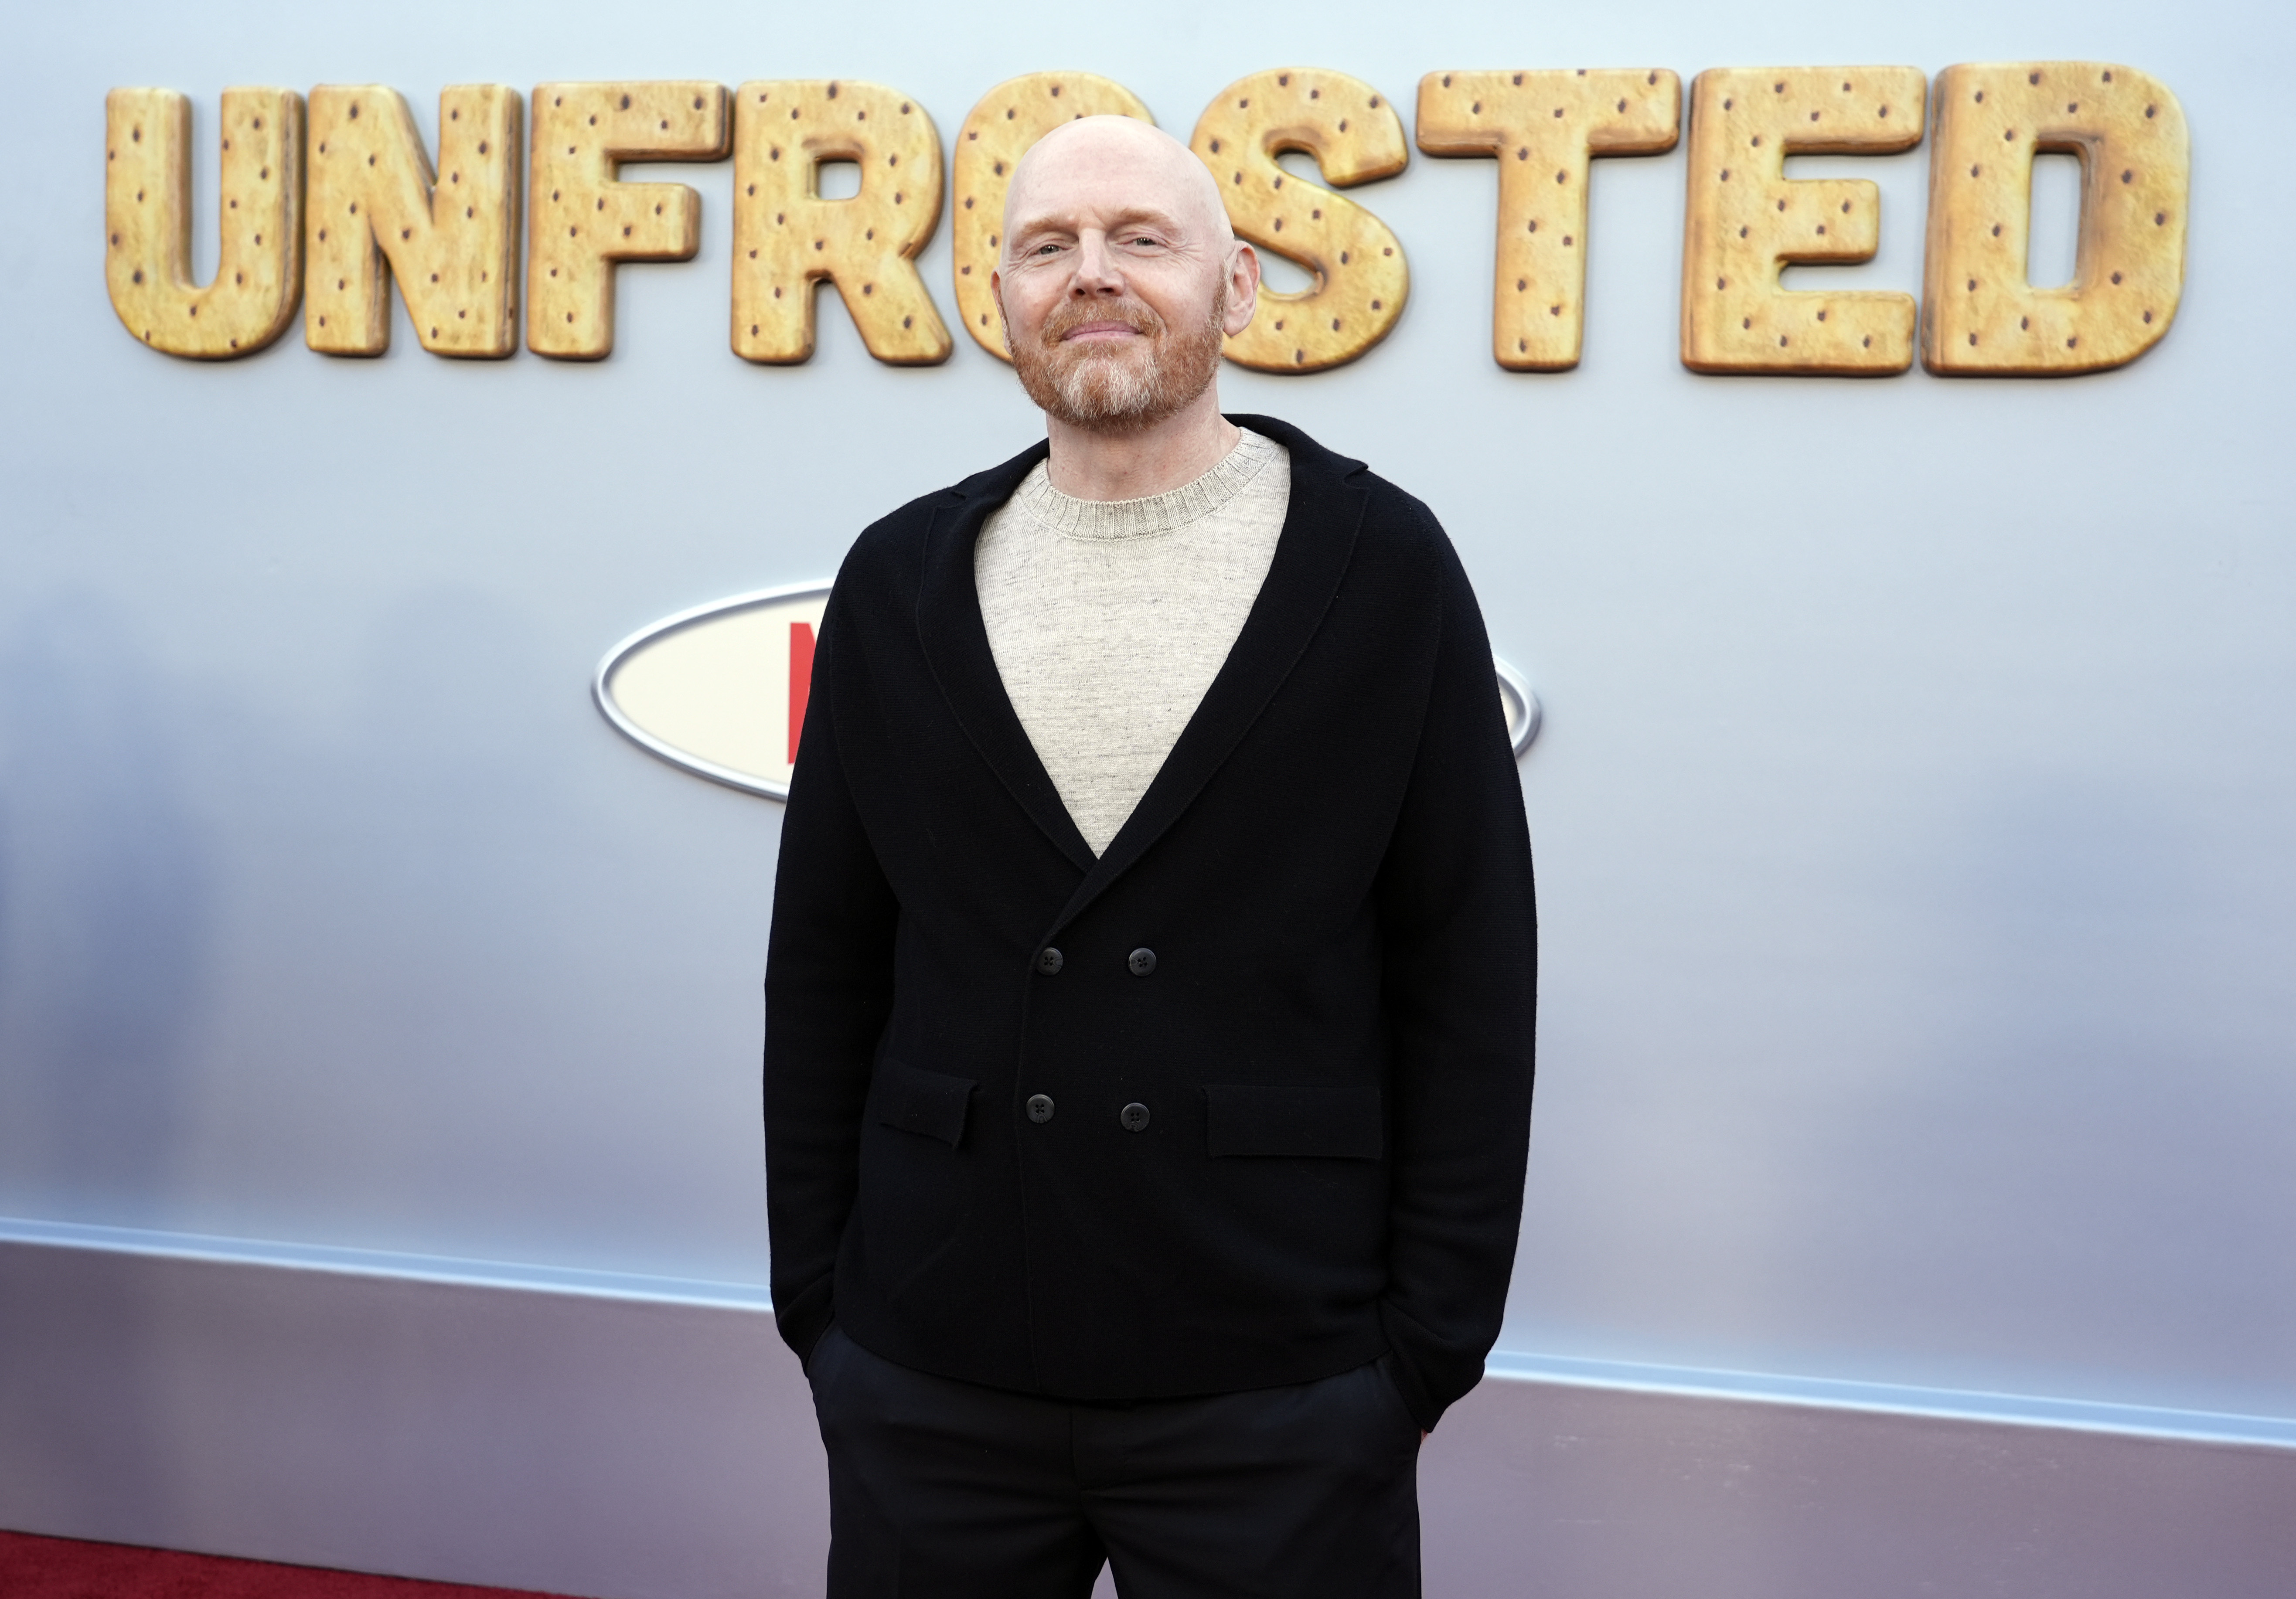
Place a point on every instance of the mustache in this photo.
(1075, 313)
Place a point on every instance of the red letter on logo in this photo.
(801, 680)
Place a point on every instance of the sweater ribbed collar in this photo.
(1152, 513)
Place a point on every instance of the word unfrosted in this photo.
(325, 205)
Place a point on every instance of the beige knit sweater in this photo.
(1109, 619)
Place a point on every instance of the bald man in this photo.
(1149, 1005)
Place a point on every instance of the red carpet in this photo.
(60, 1568)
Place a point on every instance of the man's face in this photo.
(1119, 277)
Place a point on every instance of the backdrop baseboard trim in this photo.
(1999, 1409)
(517, 1275)
(627, 1437)
(1767, 1387)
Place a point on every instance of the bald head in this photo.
(1110, 165)
(1119, 280)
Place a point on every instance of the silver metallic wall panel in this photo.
(1912, 815)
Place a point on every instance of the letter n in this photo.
(378, 210)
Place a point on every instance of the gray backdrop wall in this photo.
(1912, 817)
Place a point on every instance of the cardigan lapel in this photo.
(1311, 557)
(956, 644)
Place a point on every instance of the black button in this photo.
(1134, 1116)
(1040, 1107)
(1048, 960)
(1141, 961)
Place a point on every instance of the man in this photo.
(1149, 1007)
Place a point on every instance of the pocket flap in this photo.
(1342, 1123)
(915, 1100)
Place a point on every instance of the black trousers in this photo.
(941, 1489)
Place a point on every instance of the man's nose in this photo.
(1095, 268)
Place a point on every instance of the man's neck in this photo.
(1129, 466)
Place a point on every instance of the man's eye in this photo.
(1047, 250)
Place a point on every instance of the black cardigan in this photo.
(1334, 1045)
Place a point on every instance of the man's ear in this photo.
(1243, 289)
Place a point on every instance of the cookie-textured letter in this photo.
(787, 238)
(585, 221)
(1980, 314)
(1542, 127)
(376, 211)
(1354, 135)
(1747, 221)
(1010, 117)
(147, 204)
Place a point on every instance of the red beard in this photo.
(1125, 387)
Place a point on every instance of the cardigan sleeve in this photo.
(828, 987)
(1460, 941)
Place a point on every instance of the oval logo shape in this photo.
(1523, 711)
(720, 689)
